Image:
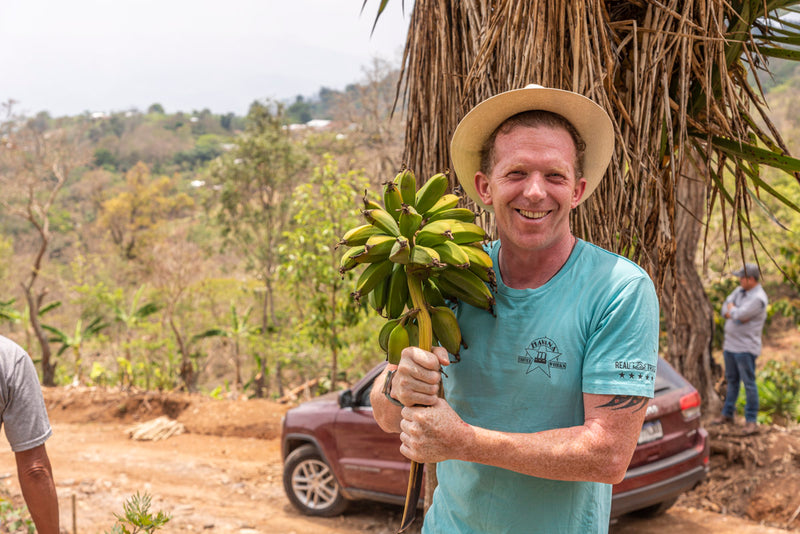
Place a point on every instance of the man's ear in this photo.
(482, 187)
(577, 193)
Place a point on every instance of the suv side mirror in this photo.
(346, 399)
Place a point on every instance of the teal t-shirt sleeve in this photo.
(622, 352)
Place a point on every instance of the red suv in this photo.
(334, 452)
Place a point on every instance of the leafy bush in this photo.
(14, 520)
(778, 392)
(137, 517)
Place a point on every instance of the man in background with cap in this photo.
(542, 414)
(745, 311)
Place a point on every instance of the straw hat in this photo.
(590, 120)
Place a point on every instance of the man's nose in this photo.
(534, 187)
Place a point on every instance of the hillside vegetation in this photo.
(197, 251)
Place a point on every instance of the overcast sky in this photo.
(71, 56)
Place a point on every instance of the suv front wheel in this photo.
(310, 484)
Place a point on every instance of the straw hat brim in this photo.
(589, 119)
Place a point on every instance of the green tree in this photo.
(76, 341)
(239, 331)
(300, 112)
(323, 213)
(8, 313)
(35, 164)
(129, 318)
(256, 179)
(132, 215)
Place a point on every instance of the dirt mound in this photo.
(246, 418)
(752, 476)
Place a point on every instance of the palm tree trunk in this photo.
(685, 305)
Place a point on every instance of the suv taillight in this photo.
(690, 406)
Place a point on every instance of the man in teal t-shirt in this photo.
(543, 411)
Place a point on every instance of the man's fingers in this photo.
(441, 353)
(423, 358)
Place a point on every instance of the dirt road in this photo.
(225, 484)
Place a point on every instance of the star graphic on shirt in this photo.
(543, 354)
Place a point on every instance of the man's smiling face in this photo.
(532, 187)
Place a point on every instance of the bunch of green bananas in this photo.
(419, 249)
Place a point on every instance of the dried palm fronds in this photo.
(672, 74)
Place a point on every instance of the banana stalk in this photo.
(425, 341)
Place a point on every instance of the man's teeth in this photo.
(532, 214)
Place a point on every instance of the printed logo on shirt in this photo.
(636, 370)
(542, 355)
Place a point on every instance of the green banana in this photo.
(458, 214)
(432, 294)
(480, 263)
(410, 220)
(466, 286)
(370, 204)
(358, 235)
(434, 233)
(380, 218)
(383, 335)
(392, 199)
(398, 340)
(477, 256)
(447, 202)
(430, 192)
(401, 251)
(466, 233)
(445, 326)
(413, 333)
(425, 256)
(371, 277)
(377, 248)
(452, 254)
(407, 183)
(397, 292)
(350, 258)
(377, 297)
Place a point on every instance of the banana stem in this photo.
(425, 341)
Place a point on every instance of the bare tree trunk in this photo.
(42, 226)
(274, 322)
(48, 366)
(685, 305)
(187, 373)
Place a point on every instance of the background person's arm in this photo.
(38, 488)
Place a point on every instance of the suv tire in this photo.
(310, 484)
(654, 510)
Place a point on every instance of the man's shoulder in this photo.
(605, 262)
(761, 294)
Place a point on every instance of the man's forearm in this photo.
(38, 489)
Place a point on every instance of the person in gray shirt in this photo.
(24, 418)
(745, 311)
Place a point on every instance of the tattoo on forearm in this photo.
(620, 402)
